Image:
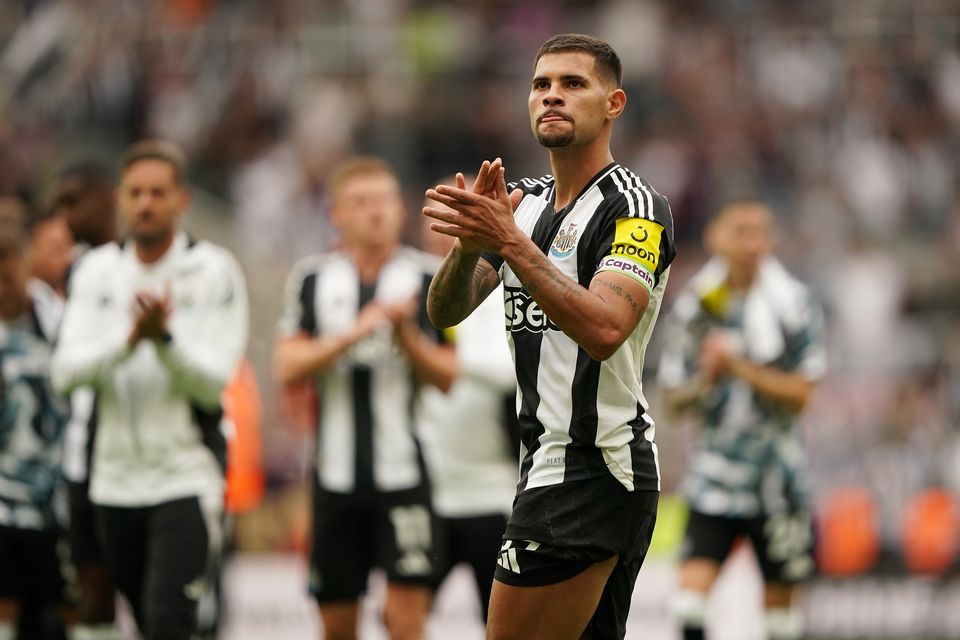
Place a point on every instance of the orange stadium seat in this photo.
(245, 479)
(848, 541)
(931, 527)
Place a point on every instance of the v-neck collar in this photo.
(592, 182)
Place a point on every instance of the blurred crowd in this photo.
(843, 116)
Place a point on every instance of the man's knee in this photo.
(405, 612)
(339, 620)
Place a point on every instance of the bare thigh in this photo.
(558, 611)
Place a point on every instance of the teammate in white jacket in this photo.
(156, 325)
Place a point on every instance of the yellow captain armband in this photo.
(635, 251)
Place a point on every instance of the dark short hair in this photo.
(356, 166)
(163, 150)
(90, 173)
(606, 59)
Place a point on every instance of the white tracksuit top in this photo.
(158, 405)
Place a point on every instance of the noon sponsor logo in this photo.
(636, 252)
(522, 313)
(639, 239)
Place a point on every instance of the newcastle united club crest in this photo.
(565, 242)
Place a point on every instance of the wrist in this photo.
(467, 253)
(513, 246)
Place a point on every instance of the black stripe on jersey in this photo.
(641, 452)
(527, 370)
(208, 421)
(308, 293)
(361, 379)
(583, 421)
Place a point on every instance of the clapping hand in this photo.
(482, 218)
(151, 314)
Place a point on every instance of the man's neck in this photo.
(106, 237)
(151, 251)
(741, 279)
(370, 260)
(573, 167)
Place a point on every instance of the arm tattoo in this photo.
(458, 286)
(617, 289)
(566, 287)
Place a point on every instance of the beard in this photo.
(555, 140)
(151, 235)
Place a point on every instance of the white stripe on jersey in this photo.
(646, 208)
(336, 294)
(555, 410)
(628, 194)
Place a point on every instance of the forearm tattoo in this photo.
(456, 286)
(549, 276)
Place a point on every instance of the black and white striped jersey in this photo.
(366, 400)
(580, 417)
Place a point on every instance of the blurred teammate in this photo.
(583, 256)
(51, 253)
(83, 196)
(744, 351)
(467, 435)
(32, 419)
(354, 321)
(157, 326)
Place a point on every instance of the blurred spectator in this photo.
(32, 419)
(51, 253)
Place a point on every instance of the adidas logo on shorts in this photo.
(508, 554)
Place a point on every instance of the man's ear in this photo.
(616, 102)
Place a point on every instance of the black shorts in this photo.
(475, 541)
(352, 534)
(558, 531)
(85, 546)
(783, 543)
(30, 566)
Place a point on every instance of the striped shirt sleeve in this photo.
(636, 236)
(298, 314)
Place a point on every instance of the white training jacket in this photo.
(158, 405)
